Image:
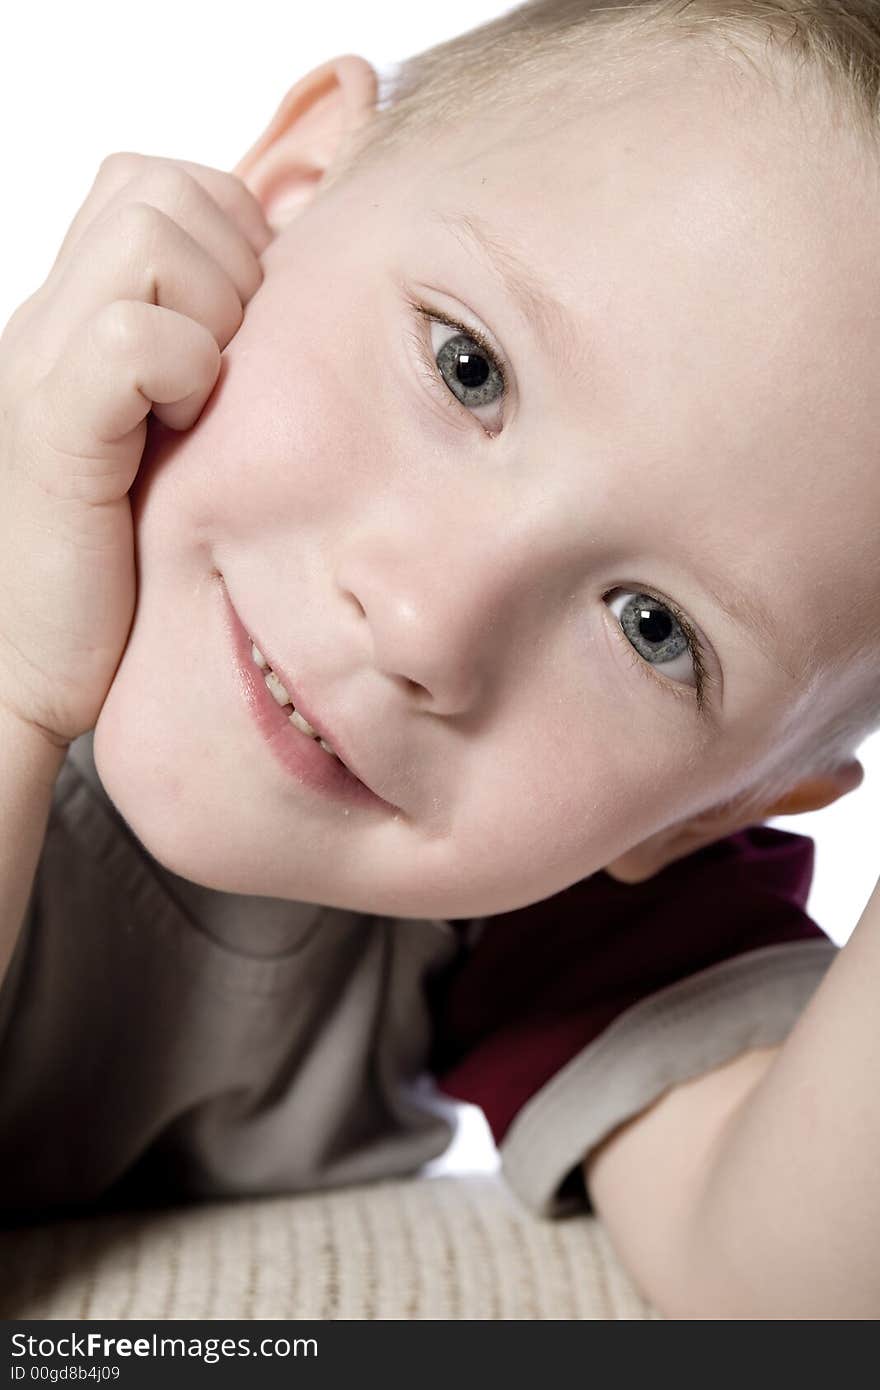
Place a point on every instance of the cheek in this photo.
(288, 430)
(542, 814)
(554, 802)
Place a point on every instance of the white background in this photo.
(200, 81)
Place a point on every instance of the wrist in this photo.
(26, 744)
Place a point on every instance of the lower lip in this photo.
(299, 755)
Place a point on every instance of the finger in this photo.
(84, 424)
(224, 195)
(237, 201)
(136, 252)
(177, 194)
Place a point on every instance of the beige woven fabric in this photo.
(444, 1247)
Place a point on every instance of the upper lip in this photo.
(340, 747)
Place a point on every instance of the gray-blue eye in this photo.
(466, 365)
(661, 636)
(461, 367)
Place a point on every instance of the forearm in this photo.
(788, 1222)
(29, 766)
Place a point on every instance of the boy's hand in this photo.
(147, 289)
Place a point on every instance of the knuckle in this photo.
(121, 164)
(167, 182)
(139, 219)
(21, 314)
(140, 228)
(118, 327)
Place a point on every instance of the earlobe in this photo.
(648, 858)
(306, 134)
(812, 793)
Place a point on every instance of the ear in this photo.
(283, 168)
(814, 792)
(674, 842)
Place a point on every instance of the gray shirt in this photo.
(148, 1020)
(159, 1039)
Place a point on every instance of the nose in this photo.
(435, 617)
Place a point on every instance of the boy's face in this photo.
(447, 580)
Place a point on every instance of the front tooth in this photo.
(259, 658)
(324, 744)
(276, 688)
(298, 722)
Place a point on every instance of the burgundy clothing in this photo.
(542, 983)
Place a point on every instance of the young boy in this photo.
(540, 483)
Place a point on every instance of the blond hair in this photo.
(576, 49)
(611, 47)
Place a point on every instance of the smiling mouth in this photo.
(270, 703)
(280, 695)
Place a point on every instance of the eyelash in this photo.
(702, 676)
(424, 316)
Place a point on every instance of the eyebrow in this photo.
(752, 615)
(554, 327)
(550, 321)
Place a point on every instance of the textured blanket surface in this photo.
(439, 1247)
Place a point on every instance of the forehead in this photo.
(723, 332)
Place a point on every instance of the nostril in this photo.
(416, 688)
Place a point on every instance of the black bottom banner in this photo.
(131, 1354)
